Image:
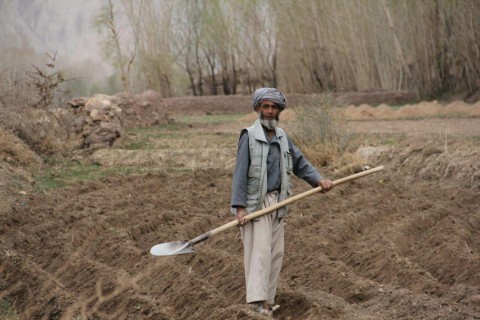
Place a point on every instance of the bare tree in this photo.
(427, 46)
(106, 22)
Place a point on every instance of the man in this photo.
(266, 158)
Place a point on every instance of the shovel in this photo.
(182, 247)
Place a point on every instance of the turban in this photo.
(270, 94)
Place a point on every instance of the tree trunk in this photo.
(121, 62)
(199, 70)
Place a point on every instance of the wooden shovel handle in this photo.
(293, 199)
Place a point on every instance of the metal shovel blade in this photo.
(172, 248)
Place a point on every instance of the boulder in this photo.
(100, 120)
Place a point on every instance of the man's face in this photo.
(269, 114)
(268, 110)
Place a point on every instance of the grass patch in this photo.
(162, 137)
(211, 118)
(161, 127)
(65, 173)
(147, 138)
(138, 145)
(7, 310)
(142, 136)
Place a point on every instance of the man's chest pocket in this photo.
(255, 169)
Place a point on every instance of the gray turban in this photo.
(270, 94)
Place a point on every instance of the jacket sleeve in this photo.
(302, 168)
(240, 174)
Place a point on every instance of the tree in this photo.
(106, 25)
(427, 46)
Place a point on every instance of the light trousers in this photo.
(263, 245)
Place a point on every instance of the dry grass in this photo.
(13, 150)
(38, 128)
(26, 109)
(320, 131)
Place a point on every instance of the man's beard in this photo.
(270, 124)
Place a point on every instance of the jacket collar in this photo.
(260, 132)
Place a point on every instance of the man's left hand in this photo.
(326, 184)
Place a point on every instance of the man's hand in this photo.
(241, 213)
(326, 184)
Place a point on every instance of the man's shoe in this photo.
(275, 307)
(258, 307)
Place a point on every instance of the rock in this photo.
(99, 120)
(98, 101)
(97, 116)
(371, 153)
(77, 102)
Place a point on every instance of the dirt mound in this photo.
(445, 127)
(17, 161)
(385, 112)
(411, 111)
(15, 152)
(475, 112)
(242, 104)
(421, 109)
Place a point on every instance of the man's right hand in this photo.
(241, 214)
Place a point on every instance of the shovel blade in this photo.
(171, 248)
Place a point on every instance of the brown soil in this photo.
(400, 244)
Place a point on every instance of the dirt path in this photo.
(402, 244)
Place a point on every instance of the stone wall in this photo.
(100, 120)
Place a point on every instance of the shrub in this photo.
(321, 131)
(27, 108)
(46, 85)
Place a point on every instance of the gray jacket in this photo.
(275, 159)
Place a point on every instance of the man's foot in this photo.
(261, 308)
(275, 307)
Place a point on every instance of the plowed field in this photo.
(403, 243)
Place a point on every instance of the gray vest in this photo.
(257, 172)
